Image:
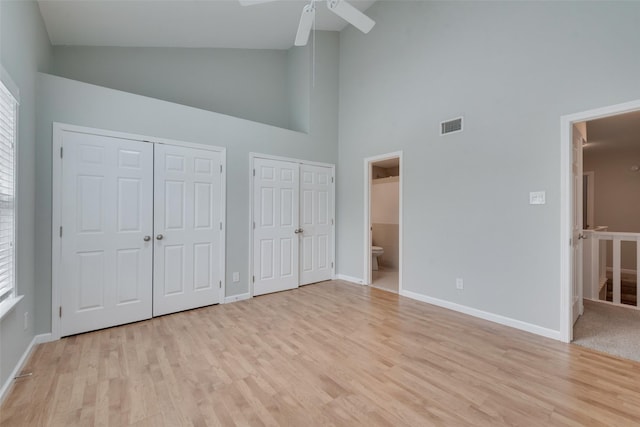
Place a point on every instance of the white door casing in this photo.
(367, 232)
(316, 223)
(188, 225)
(275, 222)
(106, 207)
(577, 233)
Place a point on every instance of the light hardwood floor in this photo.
(325, 354)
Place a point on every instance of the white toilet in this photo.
(376, 251)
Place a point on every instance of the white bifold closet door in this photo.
(187, 228)
(292, 225)
(107, 210)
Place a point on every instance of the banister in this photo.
(617, 237)
(610, 235)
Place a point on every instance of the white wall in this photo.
(512, 69)
(69, 101)
(246, 83)
(24, 49)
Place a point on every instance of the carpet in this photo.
(610, 329)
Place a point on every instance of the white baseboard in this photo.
(496, 318)
(43, 338)
(25, 356)
(349, 279)
(236, 298)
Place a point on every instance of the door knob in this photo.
(159, 237)
(299, 230)
(146, 238)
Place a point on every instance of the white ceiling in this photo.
(181, 23)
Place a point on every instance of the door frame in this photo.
(252, 156)
(368, 162)
(56, 205)
(566, 261)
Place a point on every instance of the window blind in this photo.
(8, 110)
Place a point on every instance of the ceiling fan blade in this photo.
(352, 15)
(304, 27)
(252, 2)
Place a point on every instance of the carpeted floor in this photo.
(610, 329)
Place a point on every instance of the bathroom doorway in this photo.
(383, 222)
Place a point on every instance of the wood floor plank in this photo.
(330, 354)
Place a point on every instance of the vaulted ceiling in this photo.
(181, 23)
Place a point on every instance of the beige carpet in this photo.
(610, 329)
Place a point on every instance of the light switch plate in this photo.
(537, 198)
(236, 276)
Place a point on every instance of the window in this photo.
(8, 125)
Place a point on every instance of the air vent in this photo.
(451, 126)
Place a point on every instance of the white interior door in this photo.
(187, 227)
(577, 235)
(275, 237)
(316, 222)
(107, 203)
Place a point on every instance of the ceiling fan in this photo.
(340, 7)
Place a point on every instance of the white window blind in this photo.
(8, 112)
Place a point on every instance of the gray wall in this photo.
(251, 84)
(68, 101)
(512, 69)
(24, 49)
(298, 88)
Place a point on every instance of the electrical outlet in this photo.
(459, 284)
(236, 276)
(26, 320)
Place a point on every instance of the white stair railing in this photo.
(597, 268)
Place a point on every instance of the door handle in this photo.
(581, 236)
(146, 238)
(298, 230)
(159, 237)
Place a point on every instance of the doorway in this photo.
(572, 217)
(383, 222)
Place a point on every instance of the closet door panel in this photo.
(187, 218)
(106, 211)
(275, 241)
(316, 210)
